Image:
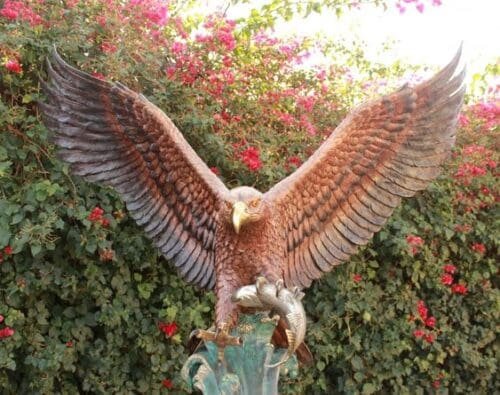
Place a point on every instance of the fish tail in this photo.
(291, 349)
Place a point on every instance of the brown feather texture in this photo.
(300, 229)
(384, 150)
(113, 136)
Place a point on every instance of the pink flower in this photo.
(96, 214)
(459, 289)
(251, 158)
(69, 344)
(7, 250)
(420, 7)
(1, 318)
(13, 66)
(429, 338)
(418, 333)
(422, 310)
(19, 10)
(108, 47)
(430, 322)
(449, 269)
(436, 383)
(178, 47)
(295, 161)
(215, 170)
(446, 279)
(463, 120)
(480, 248)
(9, 13)
(357, 278)
(99, 76)
(414, 242)
(6, 332)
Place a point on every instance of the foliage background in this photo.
(84, 302)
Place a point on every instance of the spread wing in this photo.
(113, 136)
(384, 150)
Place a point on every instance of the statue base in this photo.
(243, 369)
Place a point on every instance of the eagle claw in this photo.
(220, 337)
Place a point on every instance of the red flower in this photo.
(215, 170)
(6, 332)
(167, 383)
(169, 329)
(459, 289)
(430, 322)
(449, 269)
(7, 250)
(294, 160)
(69, 344)
(99, 76)
(429, 338)
(105, 222)
(357, 278)
(436, 384)
(422, 310)
(418, 333)
(96, 214)
(106, 255)
(479, 248)
(446, 279)
(415, 242)
(1, 318)
(251, 158)
(108, 47)
(13, 66)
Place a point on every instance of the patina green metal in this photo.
(243, 369)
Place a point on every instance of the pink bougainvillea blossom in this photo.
(251, 158)
(480, 248)
(446, 279)
(19, 10)
(6, 332)
(13, 66)
(414, 242)
(429, 338)
(99, 76)
(422, 310)
(449, 268)
(430, 322)
(459, 289)
(108, 47)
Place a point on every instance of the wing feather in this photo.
(111, 135)
(383, 151)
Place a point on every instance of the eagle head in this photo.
(246, 207)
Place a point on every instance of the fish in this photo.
(287, 303)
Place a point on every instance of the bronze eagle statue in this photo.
(221, 239)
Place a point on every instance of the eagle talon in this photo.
(220, 337)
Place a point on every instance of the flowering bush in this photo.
(87, 305)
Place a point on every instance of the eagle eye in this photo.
(253, 203)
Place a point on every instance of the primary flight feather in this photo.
(224, 239)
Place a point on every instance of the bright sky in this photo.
(430, 38)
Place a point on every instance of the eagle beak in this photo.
(239, 215)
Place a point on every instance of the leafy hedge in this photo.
(86, 303)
